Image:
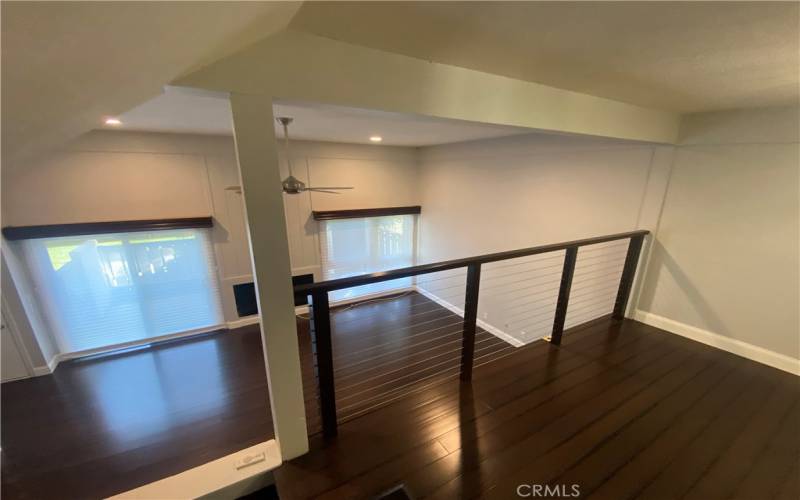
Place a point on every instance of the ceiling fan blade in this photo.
(328, 187)
(320, 190)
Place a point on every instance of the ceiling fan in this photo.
(292, 185)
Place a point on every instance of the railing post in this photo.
(322, 334)
(470, 320)
(628, 272)
(563, 294)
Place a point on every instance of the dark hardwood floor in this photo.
(386, 348)
(621, 410)
(101, 426)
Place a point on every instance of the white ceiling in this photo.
(676, 56)
(187, 112)
(67, 64)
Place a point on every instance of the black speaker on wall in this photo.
(245, 295)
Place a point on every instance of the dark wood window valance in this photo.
(366, 212)
(84, 228)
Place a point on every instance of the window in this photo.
(110, 289)
(361, 246)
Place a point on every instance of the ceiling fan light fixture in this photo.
(291, 184)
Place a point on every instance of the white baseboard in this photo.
(246, 321)
(58, 358)
(49, 368)
(749, 351)
(38, 371)
(53, 363)
(460, 312)
(372, 296)
(500, 334)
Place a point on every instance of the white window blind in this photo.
(104, 290)
(351, 247)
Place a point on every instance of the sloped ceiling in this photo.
(67, 64)
(676, 56)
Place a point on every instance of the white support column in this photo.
(257, 155)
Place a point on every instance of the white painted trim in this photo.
(38, 371)
(13, 330)
(48, 368)
(246, 321)
(460, 312)
(52, 364)
(136, 343)
(372, 296)
(217, 479)
(235, 280)
(734, 346)
(501, 334)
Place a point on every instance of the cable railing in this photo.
(527, 294)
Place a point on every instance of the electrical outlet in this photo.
(248, 460)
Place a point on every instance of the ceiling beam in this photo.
(300, 66)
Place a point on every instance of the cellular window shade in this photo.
(104, 290)
(351, 247)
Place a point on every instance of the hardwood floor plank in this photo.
(565, 441)
(790, 489)
(106, 424)
(773, 466)
(721, 478)
(620, 407)
(615, 398)
(676, 479)
(500, 445)
(625, 464)
(447, 418)
(458, 439)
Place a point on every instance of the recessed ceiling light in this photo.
(113, 121)
(376, 138)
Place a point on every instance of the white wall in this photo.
(382, 177)
(109, 175)
(21, 306)
(724, 269)
(730, 218)
(522, 191)
(119, 175)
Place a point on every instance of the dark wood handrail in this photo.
(366, 279)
